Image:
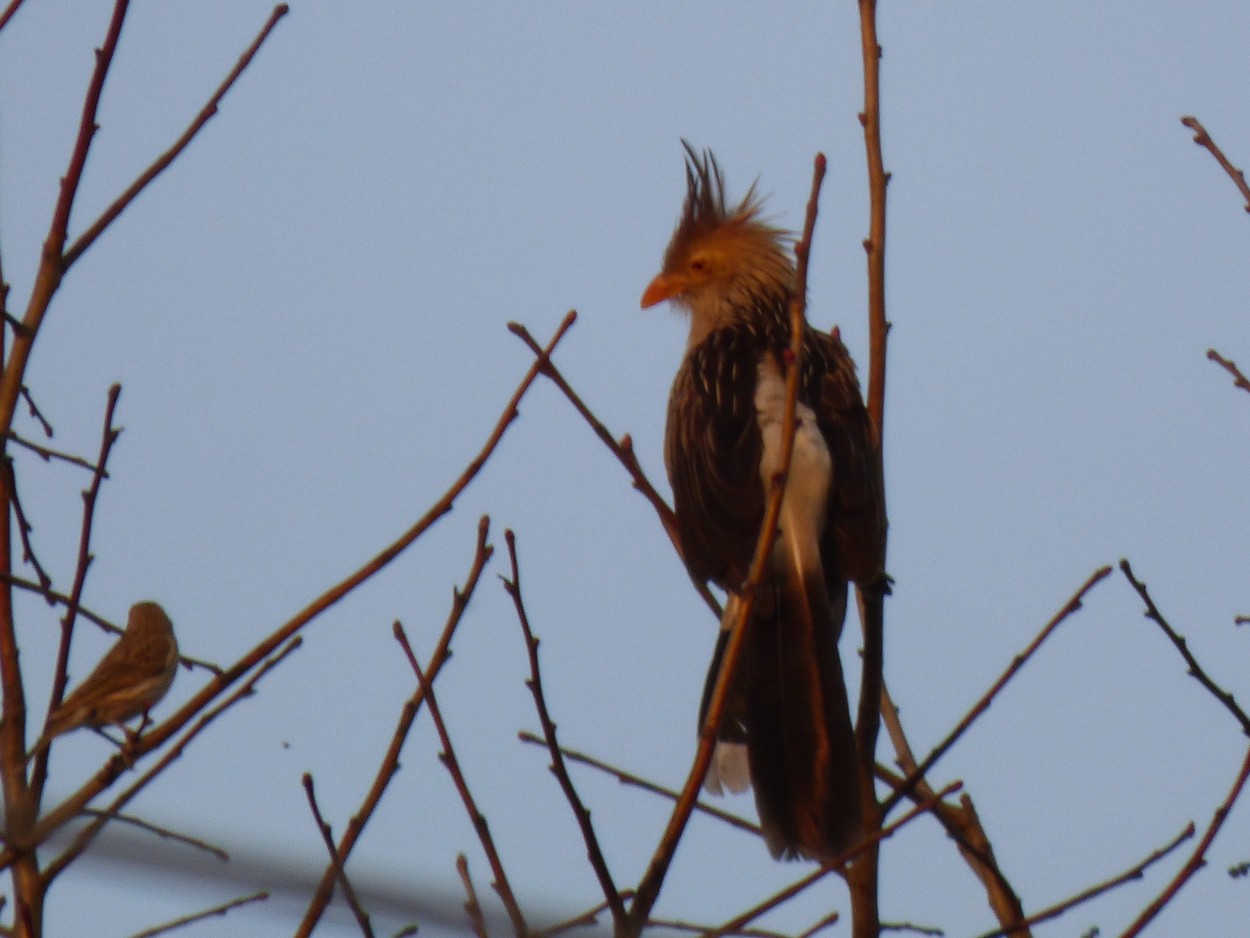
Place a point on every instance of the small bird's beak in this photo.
(663, 287)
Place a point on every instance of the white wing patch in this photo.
(811, 471)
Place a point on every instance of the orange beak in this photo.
(663, 287)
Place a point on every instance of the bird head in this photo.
(720, 258)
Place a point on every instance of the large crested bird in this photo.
(787, 728)
(129, 680)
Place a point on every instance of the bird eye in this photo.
(698, 264)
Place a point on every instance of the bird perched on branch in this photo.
(787, 726)
(129, 680)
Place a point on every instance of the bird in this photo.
(786, 730)
(129, 680)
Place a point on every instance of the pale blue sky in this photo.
(307, 313)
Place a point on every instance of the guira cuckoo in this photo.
(787, 727)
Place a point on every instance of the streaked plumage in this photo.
(733, 273)
(130, 679)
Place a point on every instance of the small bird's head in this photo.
(720, 257)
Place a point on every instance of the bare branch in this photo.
(349, 893)
(1135, 872)
(87, 238)
(390, 761)
(535, 684)
(840, 861)
(1197, 859)
(35, 413)
(47, 454)
(1203, 139)
(108, 437)
(162, 832)
(1195, 669)
(471, 906)
(628, 778)
(1239, 380)
(624, 452)
(1071, 606)
(448, 758)
(8, 12)
(201, 916)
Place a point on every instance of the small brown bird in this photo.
(787, 727)
(129, 680)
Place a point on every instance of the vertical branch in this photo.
(89, 498)
(535, 683)
(863, 876)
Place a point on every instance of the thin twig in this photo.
(838, 862)
(110, 214)
(1203, 139)
(200, 916)
(535, 683)
(628, 778)
(162, 832)
(24, 527)
(47, 454)
(962, 824)
(1071, 606)
(679, 925)
(1239, 380)
(35, 413)
(390, 761)
(349, 892)
(581, 920)
(1195, 669)
(471, 906)
(816, 926)
(448, 758)
(648, 890)
(1197, 859)
(60, 672)
(623, 450)
(1134, 872)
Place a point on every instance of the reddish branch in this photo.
(649, 887)
(1085, 895)
(1195, 669)
(1239, 380)
(1197, 859)
(842, 860)
(108, 437)
(1203, 139)
(624, 452)
(340, 874)
(471, 906)
(448, 758)
(535, 684)
(1071, 606)
(110, 214)
(390, 761)
(865, 914)
(628, 778)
